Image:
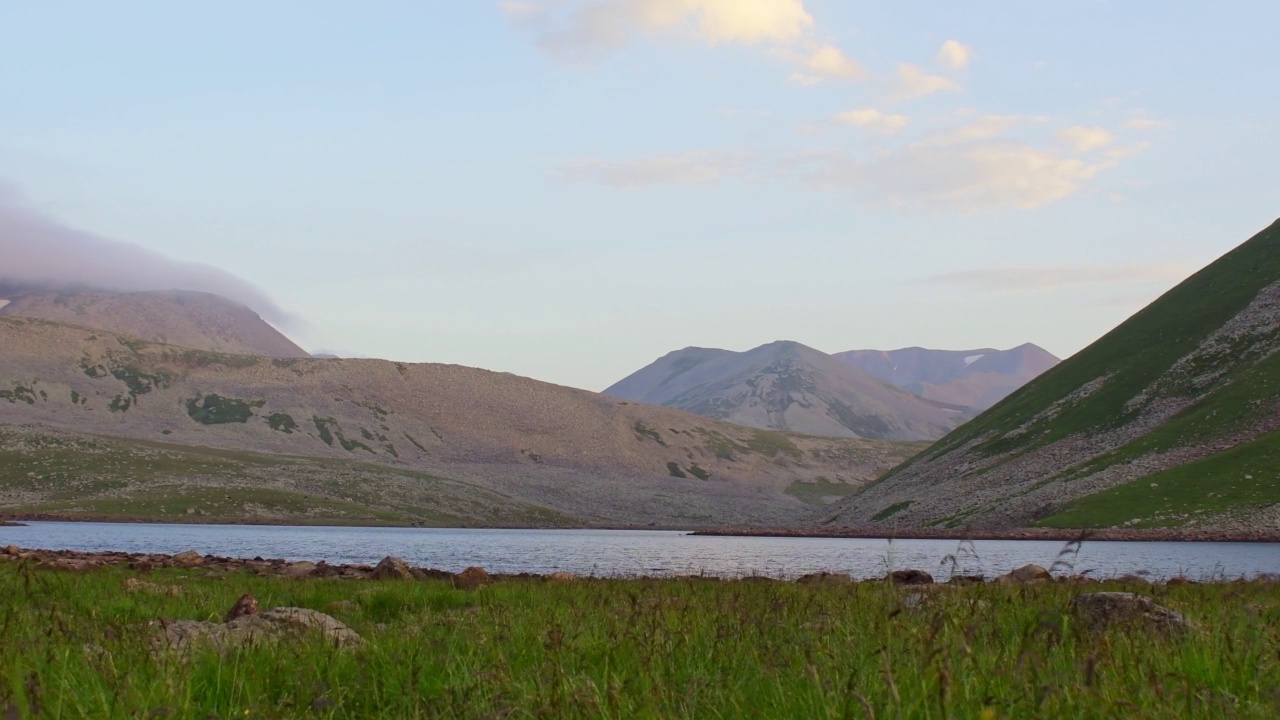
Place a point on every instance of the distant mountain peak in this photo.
(785, 385)
(976, 378)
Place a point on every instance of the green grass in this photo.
(215, 409)
(1134, 354)
(820, 491)
(892, 510)
(1246, 476)
(75, 644)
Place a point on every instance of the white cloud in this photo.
(911, 82)
(974, 177)
(1083, 139)
(1030, 279)
(955, 55)
(874, 120)
(689, 168)
(585, 31)
(589, 31)
(984, 128)
(829, 61)
(1146, 124)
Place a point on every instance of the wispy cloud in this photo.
(955, 55)
(584, 32)
(971, 178)
(911, 82)
(1036, 279)
(1084, 139)
(1147, 124)
(689, 168)
(874, 120)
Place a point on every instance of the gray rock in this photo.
(392, 568)
(1026, 573)
(471, 578)
(298, 569)
(910, 577)
(188, 559)
(269, 626)
(1098, 611)
(825, 578)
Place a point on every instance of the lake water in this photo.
(641, 552)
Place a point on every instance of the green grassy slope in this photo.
(1133, 355)
(1185, 394)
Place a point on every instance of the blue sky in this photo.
(568, 190)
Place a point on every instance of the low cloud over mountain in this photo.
(40, 254)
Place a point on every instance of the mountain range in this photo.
(1170, 420)
(909, 394)
(101, 423)
(787, 386)
(973, 379)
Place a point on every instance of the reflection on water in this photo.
(639, 552)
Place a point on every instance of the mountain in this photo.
(974, 379)
(96, 423)
(197, 320)
(786, 386)
(1170, 420)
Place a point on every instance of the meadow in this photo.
(81, 644)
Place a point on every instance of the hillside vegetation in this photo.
(1168, 420)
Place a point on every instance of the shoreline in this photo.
(1041, 534)
(1031, 534)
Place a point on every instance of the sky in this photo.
(569, 189)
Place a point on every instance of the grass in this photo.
(820, 491)
(75, 645)
(1132, 356)
(110, 478)
(214, 409)
(1246, 476)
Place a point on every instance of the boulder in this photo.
(1132, 579)
(471, 578)
(246, 605)
(298, 570)
(1026, 573)
(392, 568)
(12, 551)
(71, 564)
(1176, 581)
(188, 559)
(910, 577)
(267, 627)
(824, 578)
(1098, 611)
(562, 576)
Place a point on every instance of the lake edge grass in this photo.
(77, 644)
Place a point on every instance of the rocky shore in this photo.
(1110, 534)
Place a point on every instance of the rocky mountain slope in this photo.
(786, 386)
(201, 321)
(974, 379)
(1170, 420)
(495, 441)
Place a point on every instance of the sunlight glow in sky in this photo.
(568, 189)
